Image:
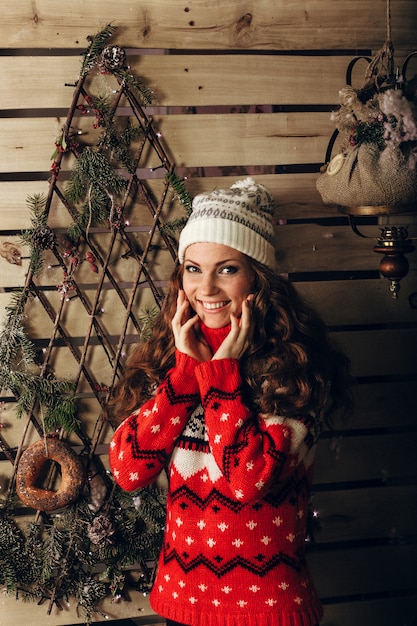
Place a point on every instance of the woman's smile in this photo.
(213, 306)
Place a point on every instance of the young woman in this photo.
(230, 393)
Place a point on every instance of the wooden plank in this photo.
(383, 405)
(25, 612)
(361, 458)
(191, 140)
(363, 570)
(382, 513)
(339, 302)
(167, 24)
(381, 612)
(185, 80)
(295, 195)
(381, 352)
(189, 80)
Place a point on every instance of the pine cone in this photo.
(43, 237)
(101, 531)
(113, 57)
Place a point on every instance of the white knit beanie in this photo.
(239, 217)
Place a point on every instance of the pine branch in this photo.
(146, 320)
(178, 186)
(118, 143)
(136, 83)
(40, 237)
(97, 44)
(15, 347)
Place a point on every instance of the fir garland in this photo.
(84, 551)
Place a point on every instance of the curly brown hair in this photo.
(291, 367)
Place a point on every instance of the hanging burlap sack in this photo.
(367, 176)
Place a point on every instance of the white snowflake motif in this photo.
(239, 423)
(239, 494)
(250, 465)
(174, 535)
(146, 413)
(259, 484)
(265, 540)
(167, 577)
(284, 586)
(254, 588)
(211, 542)
(189, 541)
(175, 420)
(201, 524)
(222, 526)
(133, 476)
(290, 537)
(112, 444)
(270, 602)
(179, 522)
(217, 438)
(300, 514)
(121, 455)
(116, 473)
(181, 584)
(216, 603)
(160, 588)
(224, 417)
(203, 587)
(241, 603)
(277, 521)
(252, 524)
(156, 429)
(193, 600)
(298, 600)
(227, 590)
(204, 478)
(175, 595)
(237, 543)
(155, 409)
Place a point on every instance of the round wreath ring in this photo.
(29, 470)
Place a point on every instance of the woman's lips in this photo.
(213, 306)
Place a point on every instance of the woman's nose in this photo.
(208, 283)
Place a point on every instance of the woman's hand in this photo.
(187, 335)
(240, 335)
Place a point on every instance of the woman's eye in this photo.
(191, 268)
(229, 269)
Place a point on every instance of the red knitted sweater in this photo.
(233, 551)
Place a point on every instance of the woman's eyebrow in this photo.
(219, 262)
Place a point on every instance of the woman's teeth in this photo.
(213, 305)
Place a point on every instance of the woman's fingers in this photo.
(237, 341)
(187, 337)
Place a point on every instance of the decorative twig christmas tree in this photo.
(108, 248)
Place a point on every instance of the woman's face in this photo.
(216, 280)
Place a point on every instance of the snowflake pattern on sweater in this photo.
(239, 486)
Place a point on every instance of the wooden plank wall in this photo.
(246, 87)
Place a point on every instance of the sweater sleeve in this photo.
(252, 450)
(143, 443)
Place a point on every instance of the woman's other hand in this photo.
(240, 335)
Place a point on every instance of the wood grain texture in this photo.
(215, 25)
(186, 80)
(190, 140)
